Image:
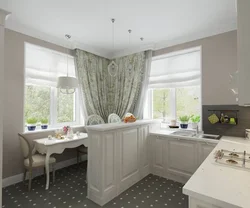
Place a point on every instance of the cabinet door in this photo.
(243, 34)
(144, 151)
(195, 203)
(205, 148)
(182, 157)
(158, 155)
(129, 158)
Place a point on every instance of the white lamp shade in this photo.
(67, 84)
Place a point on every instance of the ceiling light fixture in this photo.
(129, 38)
(130, 66)
(66, 84)
(113, 67)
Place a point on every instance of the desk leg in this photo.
(47, 170)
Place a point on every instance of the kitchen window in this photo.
(42, 99)
(175, 85)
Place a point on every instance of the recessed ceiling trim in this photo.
(57, 41)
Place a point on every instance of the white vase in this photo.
(194, 125)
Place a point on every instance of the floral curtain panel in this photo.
(105, 94)
(93, 80)
(126, 86)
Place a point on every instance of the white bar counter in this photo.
(118, 157)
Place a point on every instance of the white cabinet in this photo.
(205, 148)
(243, 34)
(195, 203)
(158, 155)
(181, 157)
(176, 158)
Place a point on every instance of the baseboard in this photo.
(37, 172)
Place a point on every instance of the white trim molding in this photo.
(3, 16)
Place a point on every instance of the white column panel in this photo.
(109, 161)
(144, 151)
(129, 162)
(3, 15)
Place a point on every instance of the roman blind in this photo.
(179, 69)
(43, 66)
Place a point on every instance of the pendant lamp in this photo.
(66, 84)
(113, 67)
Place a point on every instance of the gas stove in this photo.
(233, 159)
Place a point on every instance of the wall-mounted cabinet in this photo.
(243, 34)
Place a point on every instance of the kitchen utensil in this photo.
(213, 119)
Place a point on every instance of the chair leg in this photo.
(30, 178)
(24, 174)
(54, 175)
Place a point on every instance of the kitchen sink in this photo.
(184, 133)
(205, 136)
(190, 133)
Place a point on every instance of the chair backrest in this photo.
(114, 118)
(25, 146)
(94, 120)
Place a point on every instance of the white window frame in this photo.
(53, 124)
(148, 110)
(172, 103)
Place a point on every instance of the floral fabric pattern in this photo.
(104, 94)
(94, 120)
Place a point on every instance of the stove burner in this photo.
(231, 161)
(233, 154)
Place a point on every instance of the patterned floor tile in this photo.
(70, 191)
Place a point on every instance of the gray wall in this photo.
(14, 101)
(238, 130)
(219, 59)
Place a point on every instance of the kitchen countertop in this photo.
(221, 185)
(168, 133)
(112, 126)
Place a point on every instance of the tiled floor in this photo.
(70, 190)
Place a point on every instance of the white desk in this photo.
(49, 147)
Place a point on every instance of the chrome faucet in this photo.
(197, 130)
(247, 134)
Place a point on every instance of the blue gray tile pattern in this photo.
(70, 191)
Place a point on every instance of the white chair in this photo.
(94, 120)
(114, 118)
(33, 160)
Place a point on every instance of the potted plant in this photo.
(44, 123)
(195, 120)
(184, 121)
(31, 123)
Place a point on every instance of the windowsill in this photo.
(48, 130)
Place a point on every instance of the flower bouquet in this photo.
(66, 129)
(129, 118)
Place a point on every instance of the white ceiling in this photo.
(161, 22)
